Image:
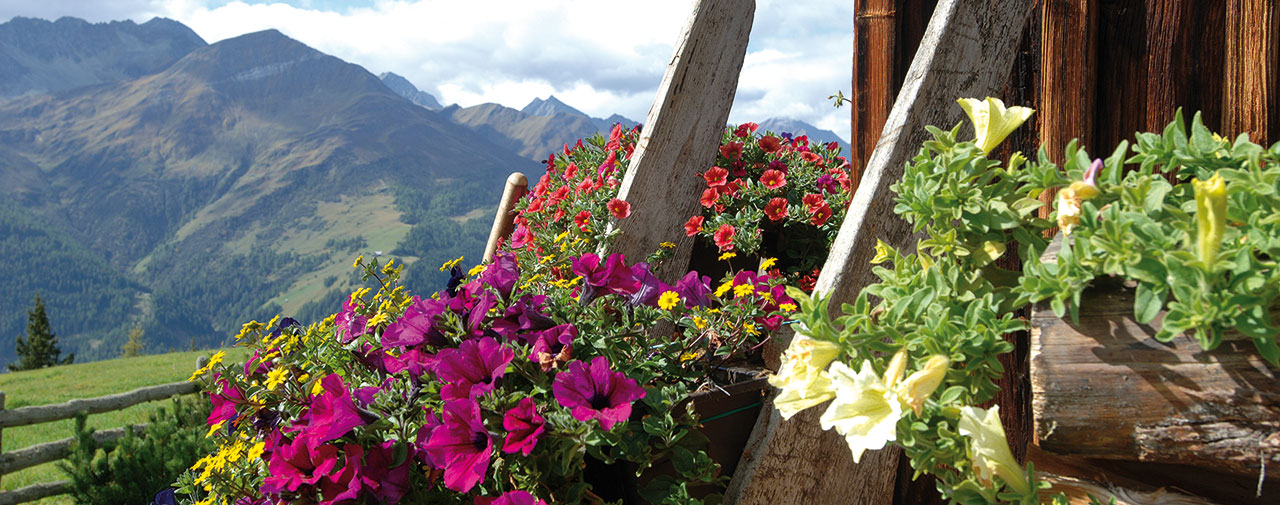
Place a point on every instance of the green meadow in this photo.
(88, 380)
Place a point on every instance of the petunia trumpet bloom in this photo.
(865, 410)
(1211, 217)
(992, 122)
(524, 425)
(333, 413)
(801, 377)
(1072, 197)
(472, 368)
(461, 444)
(517, 497)
(921, 384)
(597, 392)
(989, 449)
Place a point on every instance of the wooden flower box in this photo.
(1104, 389)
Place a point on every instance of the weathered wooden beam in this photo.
(39, 454)
(967, 51)
(1105, 388)
(1067, 77)
(504, 219)
(875, 31)
(682, 132)
(1080, 480)
(1250, 99)
(45, 413)
(34, 492)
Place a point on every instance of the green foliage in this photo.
(39, 348)
(134, 468)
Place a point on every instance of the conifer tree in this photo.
(133, 348)
(39, 348)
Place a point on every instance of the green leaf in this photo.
(1147, 303)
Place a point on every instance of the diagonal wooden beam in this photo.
(681, 134)
(967, 51)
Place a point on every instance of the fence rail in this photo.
(59, 449)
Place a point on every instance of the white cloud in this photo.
(600, 57)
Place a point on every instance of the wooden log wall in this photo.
(1094, 70)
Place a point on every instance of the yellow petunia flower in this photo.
(359, 259)
(788, 307)
(801, 378)
(700, 322)
(667, 245)
(742, 290)
(214, 429)
(1211, 216)
(865, 410)
(450, 264)
(992, 122)
(724, 288)
(475, 270)
(256, 451)
(989, 448)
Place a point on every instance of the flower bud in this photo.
(921, 384)
(992, 122)
(897, 367)
(1211, 216)
(989, 449)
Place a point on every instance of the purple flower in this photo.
(473, 367)
(456, 276)
(349, 324)
(224, 403)
(649, 287)
(479, 311)
(695, 290)
(553, 346)
(599, 280)
(522, 317)
(517, 497)
(388, 484)
(524, 426)
(296, 464)
(429, 426)
(416, 361)
(416, 326)
(332, 414)
(596, 392)
(462, 444)
(502, 274)
(827, 184)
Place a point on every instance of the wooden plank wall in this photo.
(1095, 70)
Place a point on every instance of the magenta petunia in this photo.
(524, 425)
(416, 361)
(553, 347)
(385, 482)
(517, 497)
(472, 368)
(344, 484)
(596, 392)
(649, 288)
(523, 236)
(416, 325)
(613, 276)
(296, 464)
(523, 317)
(695, 290)
(333, 413)
(349, 324)
(502, 274)
(224, 402)
(462, 444)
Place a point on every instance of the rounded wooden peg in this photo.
(504, 220)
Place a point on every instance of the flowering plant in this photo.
(778, 193)
(942, 312)
(500, 388)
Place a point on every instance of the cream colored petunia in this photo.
(865, 410)
(992, 122)
(989, 448)
(801, 377)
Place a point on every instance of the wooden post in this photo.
(2, 397)
(504, 220)
(874, 50)
(967, 51)
(1250, 93)
(1067, 77)
(682, 132)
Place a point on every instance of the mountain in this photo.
(40, 56)
(550, 107)
(797, 127)
(541, 128)
(406, 89)
(237, 182)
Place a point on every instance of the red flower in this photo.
(581, 220)
(813, 201)
(724, 237)
(559, 215)
(709, 197)
(773, 179)
(745, 129)
(693, 226)
(535, 205)
(732, 150)
(572, 170)
(716, 176)
(776, 209)
(559, 195)
(586, 186)
(811, 157)
(619, 208)
(820, 215)
(770, 144)
(542, 186)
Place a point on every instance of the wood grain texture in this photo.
(1249, 99)
(504, 219)
(1080, 478)
(1104, 388)
(1067, 76)
(681, 134)
(875, 45)
(45, 413)
(966, 51)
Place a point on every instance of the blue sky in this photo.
(598, 56)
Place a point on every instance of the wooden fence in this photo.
(53, 451)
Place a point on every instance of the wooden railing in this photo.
(59, 449)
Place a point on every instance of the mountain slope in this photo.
(406, 89)
(39, 56)
(228, 183)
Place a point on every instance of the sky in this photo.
(601, 57)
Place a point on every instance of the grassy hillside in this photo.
(60, 384)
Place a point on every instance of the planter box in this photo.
(1104, 388)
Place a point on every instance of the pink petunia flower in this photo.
(524, 425)
(461, 444)
(723, 237)
(693, 226)
(597, 392)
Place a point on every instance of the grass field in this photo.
(88, 380)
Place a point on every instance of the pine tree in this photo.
(133, 348)
(39, 349)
